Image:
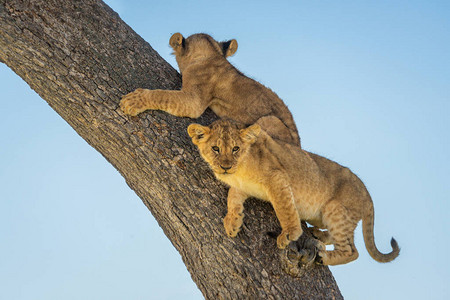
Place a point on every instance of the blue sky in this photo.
(368, 85)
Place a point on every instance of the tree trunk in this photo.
(80, 57)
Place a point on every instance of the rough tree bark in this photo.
(81, 57)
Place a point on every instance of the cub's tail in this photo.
(369, 240)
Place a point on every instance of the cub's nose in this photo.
(225, 168)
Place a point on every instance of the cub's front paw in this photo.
(232, 224)
(134, 103)
(288, 236)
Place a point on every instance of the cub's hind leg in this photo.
(341, 225)
(274, 127)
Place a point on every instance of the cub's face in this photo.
(223, 145)
(199, 45)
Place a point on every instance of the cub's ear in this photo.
(229, 47)
(198, 133)
(250, 134)
(176, 41)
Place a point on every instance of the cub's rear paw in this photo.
(312, 243)
(288, 236)
(232, 224)
(296, 260)
(134, 103)
(311, 250)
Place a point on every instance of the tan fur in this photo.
(300, 185)
(209, 80)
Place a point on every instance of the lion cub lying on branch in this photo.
(300, 186)
(209, 80)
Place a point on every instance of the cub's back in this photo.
(245, 100)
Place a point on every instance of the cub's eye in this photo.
(215, 149)
(235, 149)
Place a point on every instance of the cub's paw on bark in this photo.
(134, 103)
(287, 236)
(232, 224)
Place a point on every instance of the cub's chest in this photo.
(251, 187)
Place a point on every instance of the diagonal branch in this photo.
(80, 57)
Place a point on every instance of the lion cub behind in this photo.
(299, 185)
(210, 80)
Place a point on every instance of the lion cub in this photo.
(300, 186)
(209, 80)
